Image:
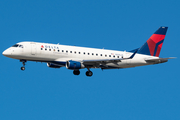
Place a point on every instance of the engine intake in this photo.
(73, 65)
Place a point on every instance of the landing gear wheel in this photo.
(22, 68)
(23, 62)
(76, 72)
(89, 73)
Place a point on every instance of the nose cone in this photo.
(6, 53)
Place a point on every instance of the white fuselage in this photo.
(44, 52)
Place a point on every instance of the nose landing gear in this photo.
(22, 68)
(23, 62)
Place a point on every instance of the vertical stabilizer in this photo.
(154, 44)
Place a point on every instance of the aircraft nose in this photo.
(6, 52)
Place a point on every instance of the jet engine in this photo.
(51, 65)
(73, 65)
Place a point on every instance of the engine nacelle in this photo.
(51, 65)
(73, 65)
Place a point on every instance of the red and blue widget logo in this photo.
(154, 44)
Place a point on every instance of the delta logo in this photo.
(48, 46)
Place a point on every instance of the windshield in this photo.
(17, 45)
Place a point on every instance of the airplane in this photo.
(76, 58)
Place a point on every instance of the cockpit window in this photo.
(21, 46)
(16, 45)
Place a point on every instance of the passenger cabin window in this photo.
(70, 51)
(41, 48)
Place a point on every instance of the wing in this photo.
(93, 63)
(102, 62)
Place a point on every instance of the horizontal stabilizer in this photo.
(158, 60)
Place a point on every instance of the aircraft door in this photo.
(33, 48)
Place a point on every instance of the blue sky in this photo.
(42, 93)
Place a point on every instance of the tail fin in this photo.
(154, 44)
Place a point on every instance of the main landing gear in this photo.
(88, 73)
(76, 72)
(23, 62)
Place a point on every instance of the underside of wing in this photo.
(98, 61)
(101, 63)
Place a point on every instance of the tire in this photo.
(76, 72)
(89, 73)
(22, 68)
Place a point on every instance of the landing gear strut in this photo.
(89, 73)
(23, 62)
(76, 72)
